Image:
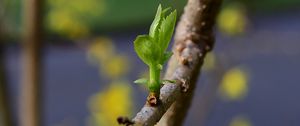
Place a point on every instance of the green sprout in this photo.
(152, 48)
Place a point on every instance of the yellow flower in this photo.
(234, 84)
(102, 53)
(240, 121)
(108, 105)
(116, 67)
(232, 19)
(101, 49)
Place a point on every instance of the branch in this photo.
(193, 39)
(30, 109)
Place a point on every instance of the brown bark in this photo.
(193, 39)
(30, 99)
(197, 26)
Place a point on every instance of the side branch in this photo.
(193, 39)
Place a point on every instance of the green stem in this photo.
(154, 84)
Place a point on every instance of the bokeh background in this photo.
(251, 78)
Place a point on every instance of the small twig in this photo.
(124, 121)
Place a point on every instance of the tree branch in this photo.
(193, 39)
(30, 109)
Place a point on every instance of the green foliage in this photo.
(151, 48)
(146, 49)
(141, 81)
(168, 81)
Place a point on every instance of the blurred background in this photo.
(88, 62)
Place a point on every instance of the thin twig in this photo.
(193, 39)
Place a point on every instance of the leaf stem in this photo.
(154, 83)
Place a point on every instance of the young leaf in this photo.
(146, 49)
(166, 57)
(168, 81)
(141, 81)
(165, 11)
(156, 22)
(152, 48)
(154, 28)
(166, 30)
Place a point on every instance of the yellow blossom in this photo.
(67, 25)
(102, 53)
(116, 67)
(101, 49)
(107, 105)
(240, 121)
(234, 84)
(232, 19)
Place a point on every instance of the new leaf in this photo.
(152, 48)
(146, 49)
(166, 30)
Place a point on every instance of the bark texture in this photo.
(193, 39)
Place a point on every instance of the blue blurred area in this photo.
(70, 80)
(270, 50)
